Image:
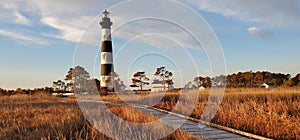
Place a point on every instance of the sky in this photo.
(41, 40)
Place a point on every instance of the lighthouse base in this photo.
(106, 90)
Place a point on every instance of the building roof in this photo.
(157, 82)
(161, 82)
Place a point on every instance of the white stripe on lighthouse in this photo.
(106, 35)
(106, 58)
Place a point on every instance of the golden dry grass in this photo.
(46, 117)
(273, 113)
(137, 124)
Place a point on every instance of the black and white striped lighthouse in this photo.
(107, 67)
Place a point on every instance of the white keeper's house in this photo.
(159, 86)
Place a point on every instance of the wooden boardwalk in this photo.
(194, 128)
(198, 130)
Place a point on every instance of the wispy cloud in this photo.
(69, 19)
(272, 12)
(22, 37)
(154, 32)
(259, 32)
(254, 30)
(21, 19)
(67, 32)
(83, 29)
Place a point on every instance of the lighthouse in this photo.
(107, 68)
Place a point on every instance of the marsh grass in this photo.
(45, 117)
(273, 113)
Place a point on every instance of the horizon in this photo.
(42, 40)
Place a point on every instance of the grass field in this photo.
(47, 117)
(273, 113)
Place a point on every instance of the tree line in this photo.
(246, 80)
(79, 78)
(18, 91)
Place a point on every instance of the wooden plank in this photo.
(234, 138)
(195, 129)
(219, 135)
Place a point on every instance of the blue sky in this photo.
(41, 40)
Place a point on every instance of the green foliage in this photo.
(202, 81)
(19, 91)
(139, 80)
(296, 80)
(3, 92)
(246, 79)
(78, 78)
(59, 86)
(165, 75)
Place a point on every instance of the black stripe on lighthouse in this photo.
(106, 69)
(106, 46)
